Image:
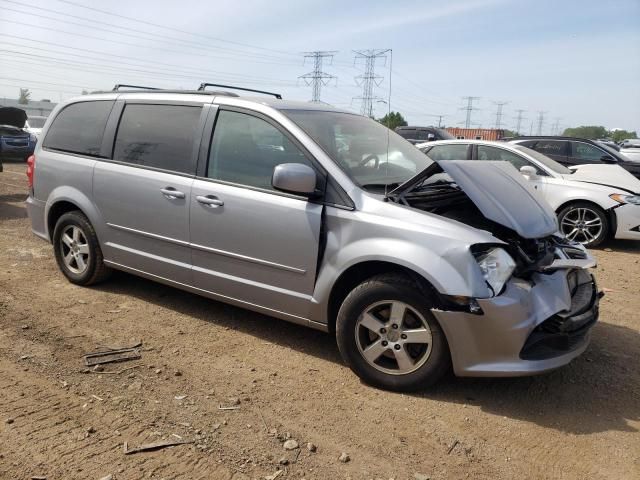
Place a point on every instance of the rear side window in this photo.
(584, 151)
(79, 128)
(448, 152)
(158, 136)
(550, 147)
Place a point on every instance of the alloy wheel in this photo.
(581, 225)
(393, 337)
(75, 249)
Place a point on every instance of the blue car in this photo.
(15, 142)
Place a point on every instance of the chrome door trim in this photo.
(225, 253)
(149, 235)
(248, 259)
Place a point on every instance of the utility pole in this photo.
(317, 78)
(500, 105)
(440, 117)
(519, 119)
(540, 121)
(469, 108)
(368, 80)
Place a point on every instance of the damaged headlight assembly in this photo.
(496, 266)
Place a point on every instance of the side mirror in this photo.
(294, 178)
(529, 172)
(430, 137)
(607, 159)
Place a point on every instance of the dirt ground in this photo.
(60, 421)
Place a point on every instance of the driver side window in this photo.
(493, 153)
(245, 150)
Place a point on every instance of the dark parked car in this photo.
(423, 134)
(571, 151)
(15, 142)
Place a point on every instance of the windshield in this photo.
(614, 153)
(36, 122)
(359, 145)
(546, 161)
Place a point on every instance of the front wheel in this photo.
(585, 223)
(388, 336)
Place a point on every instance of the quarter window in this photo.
(549, 147)
(584, 151)
(79, 128)
(246, 149)
(158, 136)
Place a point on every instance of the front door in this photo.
(143, 193)
(251, 243)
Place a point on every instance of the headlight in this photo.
(496, 266)
(622, 198)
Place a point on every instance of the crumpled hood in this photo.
(609, 175)
(15, 117)
(503, 195)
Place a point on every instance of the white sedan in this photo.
(593, 202)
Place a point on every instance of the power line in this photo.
(368, 80)
(469, 108)
(540, 121)
(317, 78)
(499, 105)
(519, 119)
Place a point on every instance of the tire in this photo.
(403, 365)
(584, 222)
(73, 238)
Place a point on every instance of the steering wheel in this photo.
(368, 158)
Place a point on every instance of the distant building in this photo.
(476, 133)
(41, 108)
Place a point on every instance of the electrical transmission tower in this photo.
(555, 129)
(469, 108)
(540, 121)
(500, 105)
(368, 80)
(519, 119)
(317, 78)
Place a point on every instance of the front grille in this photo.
(566, 330)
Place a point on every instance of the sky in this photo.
(577, 62)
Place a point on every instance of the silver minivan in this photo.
(320, 217)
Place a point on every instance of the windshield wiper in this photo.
(389, 186)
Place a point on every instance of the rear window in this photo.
(79, 128)
(158, 136)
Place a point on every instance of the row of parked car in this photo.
(18, 133)
(418, 263)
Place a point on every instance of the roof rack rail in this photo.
(120, 85)
(205, 85)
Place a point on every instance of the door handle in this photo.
(171, 193)
(210, 201)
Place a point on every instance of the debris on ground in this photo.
(274, 476)
(108, 477)
(453, 445)
(38, 477)
(344, 457)
(113, 355)
(153, 446)
(311, 447)
(9, 421)
(290, 445)
(420, 476)
(220, 407)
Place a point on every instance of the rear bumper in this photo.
(533, 327)
(36, 212)
(628, 222)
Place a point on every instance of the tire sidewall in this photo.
(354, 306)
(601, 213)
(80, 221)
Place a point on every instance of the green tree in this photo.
(592, 131)
(393, 120)
(24, 97)
(619, 135)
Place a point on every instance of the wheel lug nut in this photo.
(397, 347)
(383, 330)
(394, 326)
(403, 336)
(385, 343)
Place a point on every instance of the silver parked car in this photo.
(320, 217)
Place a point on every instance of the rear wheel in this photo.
(585, 223)
(388, 336)
(77, 250)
